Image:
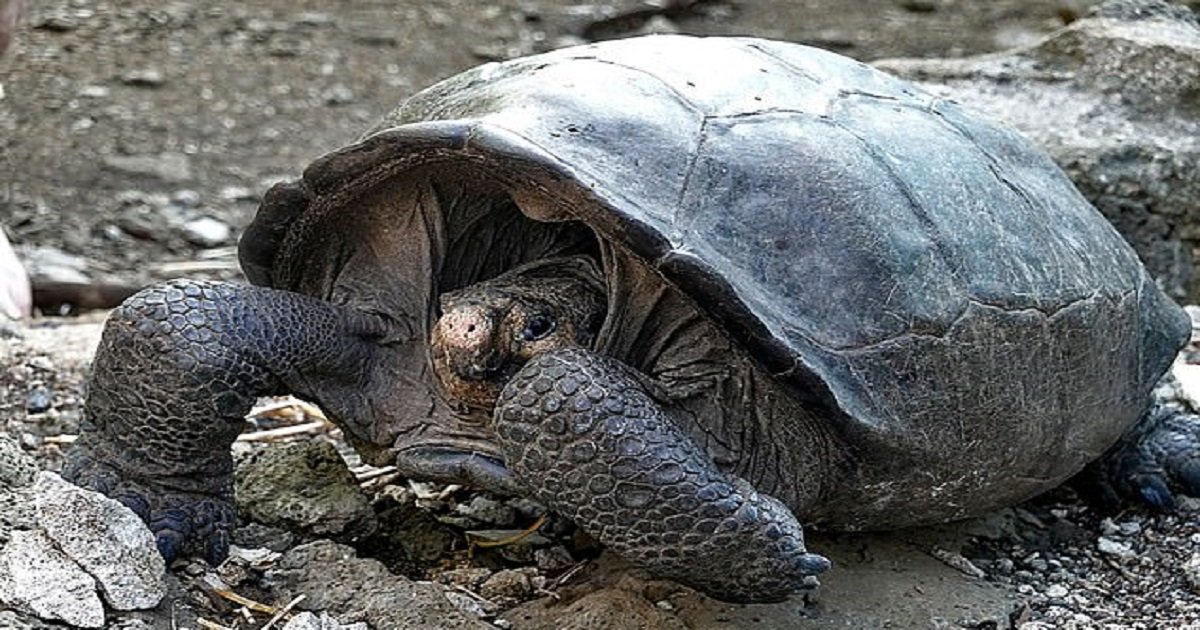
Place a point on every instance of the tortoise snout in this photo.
(467, 335)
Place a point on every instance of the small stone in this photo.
(146, 77)
(919, 6)
(1114, 548)
(16, 467)
(186, 198)
(338, 94)
(958, 561)
(658, 24)
(166, 167)
(36, 576)
(1191, 572)
(57, 22)
(94, 91)
(469, 605)
(1056, 591)
(237, 193)
(310, 621)
(314, 18)
(38, 400)
(1130, 528)
(51, 264)
(467, 577)
(509, 586)
(488, 511)
(553, 559)
(206, 232)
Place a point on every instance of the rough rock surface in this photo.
(335, 580)
(105, 538)
(309, 621)
(1115, 99)
(36, 576)
(16, 476)
(302, 486)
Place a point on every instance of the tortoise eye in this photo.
(537, 327)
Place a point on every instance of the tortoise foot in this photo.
(1154, 464)
(583, 433)
(183, 523)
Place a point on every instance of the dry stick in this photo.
(209, 625)
(272, 434)
(283, 611)
(289, 403)
(245, 601)
(512, 540)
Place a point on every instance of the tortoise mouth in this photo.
(450, 463)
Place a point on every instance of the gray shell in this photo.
(885, 253)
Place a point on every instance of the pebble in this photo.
(237, 193)
(311, 621)
(513, 585)
(38, 400)
(186, 197)
(51, 264)
(146, 77)
(206, 232)
(486, 510)
(94, 91)
(1191, 572)
(1114, 548)
(1056, 591)
(166, 167)
(553, 559)
(919, 6)
(338, 94)
(314, 18)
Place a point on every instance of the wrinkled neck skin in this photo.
(487, 331)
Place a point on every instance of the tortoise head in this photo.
(488, 330)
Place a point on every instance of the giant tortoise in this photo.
(684, 291)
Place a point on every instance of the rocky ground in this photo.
(135, 139)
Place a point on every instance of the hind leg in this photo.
(1153, 464)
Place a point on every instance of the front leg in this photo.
(582, 432)
(179, 366)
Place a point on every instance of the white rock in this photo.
(1191, 572)
(310, 621)
(1056, 591)
(1117, 549)
(167, 167)
(206, 232)
(1188, 377)
(37, 577)
(106, 538)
